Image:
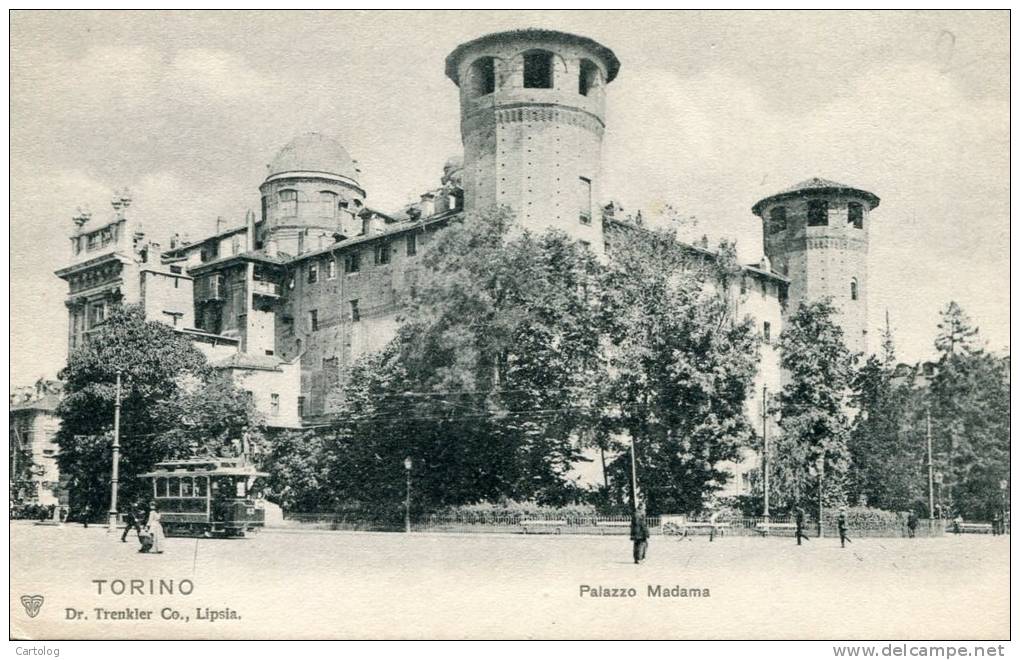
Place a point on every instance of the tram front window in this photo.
(161, 487)
(175, 487)
(185, 486)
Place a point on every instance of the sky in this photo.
(711, 112)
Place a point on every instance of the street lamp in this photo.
(1003, 485)
(111, 524)
(407, 495)
(820, 467)
(938, 494)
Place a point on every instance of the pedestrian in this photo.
(713, 521)
(841, 524)
(131, 520)
(911, 524)
(155, 528)
(86, 512)
(995, 524)
(958, 524)
(799, 518)
(639, 535)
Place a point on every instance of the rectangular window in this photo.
(175, 487)
(352, 262)
(766, 332)
(355, 312)
(818, 213)
(301, 406)
(538, 69)
(412, 245)
(584, 200)
(382, 254)
(235, 244)
(313, 272)
(288, 203)
(331, 268)
(855, 215)
(777, 220)
(313, 320)
(274, 404)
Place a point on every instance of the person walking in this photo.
(155, 527)
(639, 535)
(131, 520)
(911, 524)
(799, 518)
(841, 524)
(86, 513)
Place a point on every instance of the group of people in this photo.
(147, 525)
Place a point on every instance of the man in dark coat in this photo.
(799, 518)
(911, 524)
(841, 524)
(131, 520)
(639, 535)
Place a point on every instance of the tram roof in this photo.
(205, 467)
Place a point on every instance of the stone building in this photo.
(35, 478)
(288, 299)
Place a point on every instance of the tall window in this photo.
(265, 206)
(313, 272)
(538, 69)
(588, 79)
(766, 332)
(355, 312)
(301, 406)
(313, 320)
(854, 294)
(855, 215)
(288, 203)
(818, 213)
(235, 244)
(330, 268)
(328, 204)
(382, 254)
(482, 77)
(777, 220)
(274, 404)
(352, 262)
(584, 200)
(412, 245)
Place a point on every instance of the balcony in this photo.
(266, 289)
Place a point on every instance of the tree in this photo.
(489, 379)
(969, 403)
(681, 367)
(173, 405)
(813, 406)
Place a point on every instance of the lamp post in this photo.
(114, 472)
(407, 495)
(765, 450)
(820, 467)
(1003, 485)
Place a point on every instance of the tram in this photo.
(207, 497)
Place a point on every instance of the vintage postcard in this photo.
(510, 325)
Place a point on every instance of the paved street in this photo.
(357, 585)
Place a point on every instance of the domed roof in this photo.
(314, 152)
(816, 185)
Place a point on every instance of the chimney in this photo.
(249, 223)
(428, 205)
(153, 252)
(175, 241)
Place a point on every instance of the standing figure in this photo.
(639, 535)
(996, 524)
(155, 527)
(799, 517)
(86, 513)
(911, 524)
(131, 520)
(841, 524)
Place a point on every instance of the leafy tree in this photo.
(173, 405)
(969, 403)
(813, 406)
(680, 367)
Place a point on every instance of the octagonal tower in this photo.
(532, 120)
(816, 234)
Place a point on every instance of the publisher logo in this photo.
(32, 605)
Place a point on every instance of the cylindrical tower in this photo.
(311, 192)
(532, 119)
(816, 234)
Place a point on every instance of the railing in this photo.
(554, 522)
(260, 288)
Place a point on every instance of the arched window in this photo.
(588, 78)
(855, 215)
(482, 77)
(777, 220)
(818, 213)
(538, 69)
(854, 293)
(328, 204)
(288, 203)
